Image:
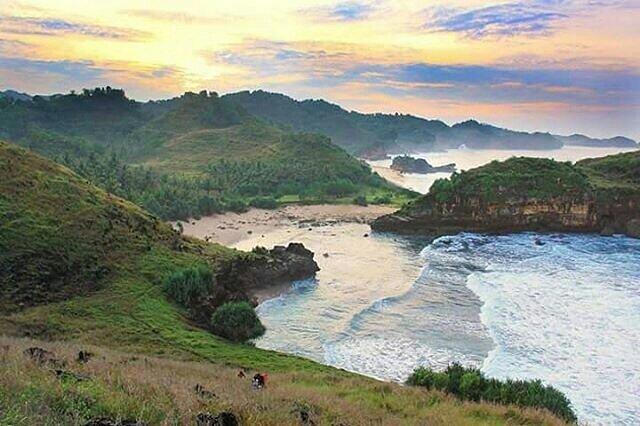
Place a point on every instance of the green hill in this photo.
(530, 194)
(84, 270)
(188, 156)
(376, 135)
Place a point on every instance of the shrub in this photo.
(360, 200)
(236, 205)
(189, 284)
(264, 203)
(382, 199)
(470, 384)
(236, 321)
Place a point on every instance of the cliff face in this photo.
(240, 277)
(521, 195)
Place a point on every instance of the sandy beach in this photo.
(232, 228)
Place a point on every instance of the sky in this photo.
(563, 66)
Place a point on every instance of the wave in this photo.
(567, 311)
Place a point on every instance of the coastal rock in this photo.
(407, 164)
(238, 279)
(526, 194)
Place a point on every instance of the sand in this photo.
(231, 229)
(279, 227)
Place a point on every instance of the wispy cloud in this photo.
(507, 19)
(42, 76)
(320, 68)
(173, 16)
(56, 27)
(343, 11)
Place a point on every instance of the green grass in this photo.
(613, 171)
(51, 216)
(159, 391)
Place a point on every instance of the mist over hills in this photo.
(372, 135)
(375, 135)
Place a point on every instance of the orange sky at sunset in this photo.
(549, 65)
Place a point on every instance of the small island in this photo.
(407, 164)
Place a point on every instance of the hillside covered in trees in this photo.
(376, 135)
(188, 156)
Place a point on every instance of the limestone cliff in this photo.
(528, 194)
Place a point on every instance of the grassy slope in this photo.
(202, 131)
(620, 170)
(126, 310)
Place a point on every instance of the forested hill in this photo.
(375, 135)
(192, 155)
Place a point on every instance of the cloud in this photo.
(344, 11)
(56, 27)
(329, 68)
(508, 19)
(171, 16)
(41, 76)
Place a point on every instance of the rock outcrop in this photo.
(237, 279)
(407, 164)
(526, 194)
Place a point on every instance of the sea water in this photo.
(562, 308)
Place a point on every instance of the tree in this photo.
(236, 321)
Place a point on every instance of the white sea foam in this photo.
(571, 317)
(563, 308)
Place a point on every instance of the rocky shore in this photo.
(527, 194)
(245, 277)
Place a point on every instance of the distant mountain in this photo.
(15, 96)
(484, 136)
(376, 135)
(582, 140)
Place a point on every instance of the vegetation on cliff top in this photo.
(470, 384)
(57, 230)
(620, 170)
(189, 156)
(536, 178)
(513, 179)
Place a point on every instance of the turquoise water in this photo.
(563, 308)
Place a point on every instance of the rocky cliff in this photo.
(528, 194)
(238, 278)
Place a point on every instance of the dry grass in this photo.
(161, 391)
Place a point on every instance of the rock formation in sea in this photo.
(407, 164)
(529, 194)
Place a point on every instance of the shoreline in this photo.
(237, 230)
(231, 229)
